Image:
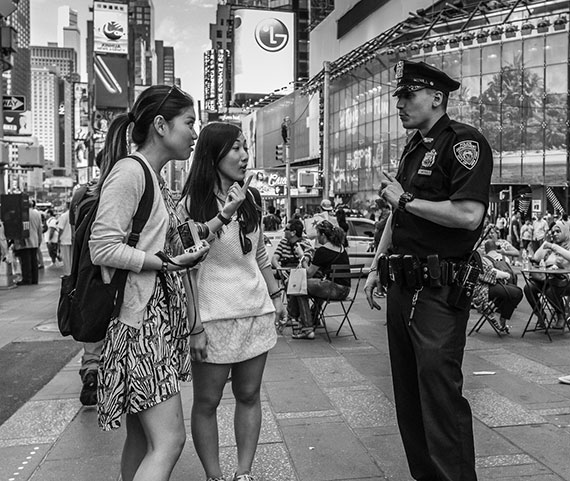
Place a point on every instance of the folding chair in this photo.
(487, 313)
(339, 271)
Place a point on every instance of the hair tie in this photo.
(131, 117)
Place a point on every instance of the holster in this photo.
(463, 287)
(434, 271)
(412, 272)
(383, 269)
(397, 268)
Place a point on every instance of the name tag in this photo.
(424, 172)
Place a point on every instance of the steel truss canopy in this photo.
(451, 21)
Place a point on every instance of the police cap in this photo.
(414, 76)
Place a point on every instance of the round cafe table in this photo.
(543, 310)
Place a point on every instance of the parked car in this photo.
(360, 240)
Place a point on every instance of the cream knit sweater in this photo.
(230, 284)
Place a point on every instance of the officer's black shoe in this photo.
(88, 396)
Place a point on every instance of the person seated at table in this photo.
(556, 255)
(294, 248)
(505, 247)
(319, 286)
(497, 284)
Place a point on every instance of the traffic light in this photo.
(279, 153)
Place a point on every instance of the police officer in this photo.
(439, 197)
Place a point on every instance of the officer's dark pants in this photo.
(433, 416)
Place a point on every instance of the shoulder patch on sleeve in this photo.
(467, 153)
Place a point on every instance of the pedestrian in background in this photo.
(539, 229)
(64, 228)
(342, 223)
(427, 318)
(501, 224)
(271, 222)
(240, 300)
(515, 230)
(526, 234)
(146, 352)
(26, 249)
(52, 237)
(39, 251)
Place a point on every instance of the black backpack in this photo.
(86, 304)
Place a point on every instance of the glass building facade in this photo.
(514, 89)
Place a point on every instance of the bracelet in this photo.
(164, 267)
(222, 219)
(275, 295)
(196, 333)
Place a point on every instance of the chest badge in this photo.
(429, 159)
(467, 153)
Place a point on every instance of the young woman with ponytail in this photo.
(146, 352)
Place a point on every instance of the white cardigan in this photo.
(120, 196)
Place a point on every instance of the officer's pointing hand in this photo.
(391, 190)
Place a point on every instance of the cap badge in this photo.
(429, 158)
(467, 153)
(400, 69)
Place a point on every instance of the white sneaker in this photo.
(564, 379)
(244, 477)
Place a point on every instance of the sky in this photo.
(182, 24)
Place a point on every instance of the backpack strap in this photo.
(145, 205)
(139, 220)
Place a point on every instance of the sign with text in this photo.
(264, 51)
(14, 103)
(110, 28)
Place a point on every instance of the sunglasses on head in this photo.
(165, 98)
(244, 240)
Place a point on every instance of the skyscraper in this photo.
(164, 63)
(141, 41)
(68, 33)
(53, 74)
(17, 79)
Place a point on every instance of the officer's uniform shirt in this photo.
(453, 162)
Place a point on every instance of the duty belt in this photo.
(413, 272)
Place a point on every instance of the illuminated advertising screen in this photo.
(111, 81)
(81, 111)
(264, 50)
(110, 28)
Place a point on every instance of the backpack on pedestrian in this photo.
(86, 303)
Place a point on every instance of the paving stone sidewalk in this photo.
(328, 410)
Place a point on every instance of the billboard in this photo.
(111, 81)
(17, 123)
(80, 111)
(264, 42)
(110, 28)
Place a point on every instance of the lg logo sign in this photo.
(271, 35)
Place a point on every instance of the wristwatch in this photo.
(222, 219)
(404, 199)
